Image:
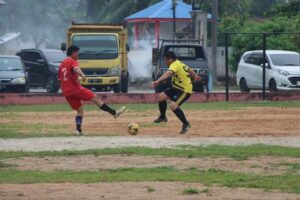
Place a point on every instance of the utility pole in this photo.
(174, 18)
(214, 38)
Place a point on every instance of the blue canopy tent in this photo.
(159, 14)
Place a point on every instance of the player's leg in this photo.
(175, 104)
(78, 120)
(76, 105)
(162, 104)
(88, 95)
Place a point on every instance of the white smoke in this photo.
(140, 62)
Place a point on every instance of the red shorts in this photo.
(83, 95)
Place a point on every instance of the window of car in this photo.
(31, 56)
(10, 64)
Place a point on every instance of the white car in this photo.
(282, 70)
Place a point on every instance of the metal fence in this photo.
(264, 47)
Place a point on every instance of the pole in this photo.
(226, 67)
(264, 66)
(174, 18)
(214, 38)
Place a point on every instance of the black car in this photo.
(42, 67)
(13, 77)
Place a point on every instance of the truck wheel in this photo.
(117, 88)
(52, 85)
(124, 84)
(198, 87)
(159, 88)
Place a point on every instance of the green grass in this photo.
(285, 183)
(143, 107)
(20, 130)
(191, 191)
(150, 189)
(235, 152)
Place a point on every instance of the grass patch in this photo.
(286, 183)
(150, 189)
(191, 191)
(5, 165)
(235, 152)
(20, 130)
(143, 107)
(293, 167)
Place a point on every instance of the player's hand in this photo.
(83, 78)
(197, 78)
(154, 84)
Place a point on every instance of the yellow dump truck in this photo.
(102, 56)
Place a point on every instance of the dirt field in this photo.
(134, 191)
(250, 122)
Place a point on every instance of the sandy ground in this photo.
(134, 191)
(248, 122)
(256, 165)
(83, 143)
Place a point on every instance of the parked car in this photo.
(42, 67)
(13, 77)
(282, 70)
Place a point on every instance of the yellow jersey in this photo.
(181, 78)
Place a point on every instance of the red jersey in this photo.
(69, 81)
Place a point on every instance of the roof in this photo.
(163, 10)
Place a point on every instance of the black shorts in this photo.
(177, 95)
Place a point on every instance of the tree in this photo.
(243, 43)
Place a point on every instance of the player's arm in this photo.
(79, 72)
(194, 75)
(165, 76)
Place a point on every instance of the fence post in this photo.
(226, 68)
(264, 66)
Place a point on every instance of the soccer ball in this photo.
(133, 128)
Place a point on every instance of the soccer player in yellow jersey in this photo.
(180, 91)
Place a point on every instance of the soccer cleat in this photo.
(160, 119)
(185, 128)
(120, 112)
(78, 132)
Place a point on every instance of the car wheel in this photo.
(52, 85)
(272, 85)
(198, 87)
(244, 86)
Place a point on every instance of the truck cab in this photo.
(102, 56)
(187, 51)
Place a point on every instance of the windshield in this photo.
(285, 59)
(55, 56)
(10, 64)
(96, 46)
(187, 53)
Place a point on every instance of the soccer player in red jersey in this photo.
(68, 75)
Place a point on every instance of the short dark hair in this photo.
(72, 49)
(170, 54)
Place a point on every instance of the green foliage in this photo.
(243, 43)
(191, 191)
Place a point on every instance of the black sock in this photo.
(179, 113)
(106, 108)
(162, 108)
(78, 121)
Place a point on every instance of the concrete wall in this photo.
(220, 61)
(35, 99)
